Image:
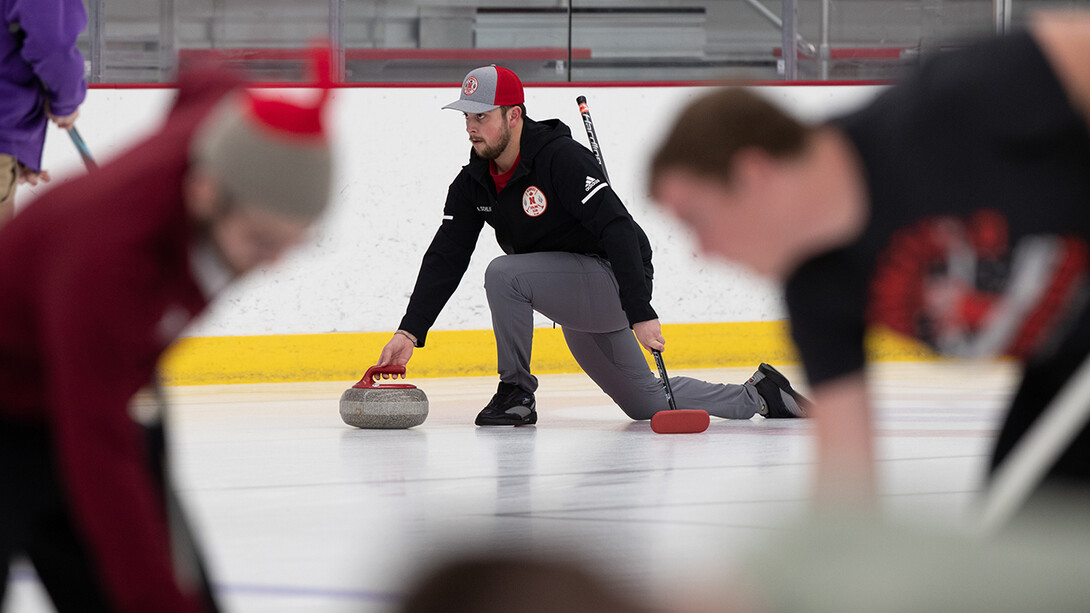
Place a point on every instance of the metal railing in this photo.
(1003, 12)
(787, 22)
(175, 33)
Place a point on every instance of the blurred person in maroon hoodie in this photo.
(100, 275)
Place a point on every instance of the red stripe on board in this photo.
(541, 84)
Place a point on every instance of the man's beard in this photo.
(493, 152)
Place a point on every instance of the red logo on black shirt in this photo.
(533, 201)
(962, 288)
(469, 86)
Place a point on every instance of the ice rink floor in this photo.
(298, 512)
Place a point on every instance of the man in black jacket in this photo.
(574, 255)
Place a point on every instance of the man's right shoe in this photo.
(511, 406)
(778, 398)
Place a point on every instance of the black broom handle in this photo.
(592, 137)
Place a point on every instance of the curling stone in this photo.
(387, 406)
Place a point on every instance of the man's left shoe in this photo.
(511, 406)
(778, 398)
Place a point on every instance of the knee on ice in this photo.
(638, 411)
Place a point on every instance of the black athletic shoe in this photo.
(511, 406)
(780, 399)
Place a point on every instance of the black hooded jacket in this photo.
(557, 200)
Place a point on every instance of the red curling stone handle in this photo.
(368, 380)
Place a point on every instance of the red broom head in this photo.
(680, 421)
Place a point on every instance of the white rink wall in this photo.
(397, 152)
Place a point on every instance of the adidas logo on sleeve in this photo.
(592, 187)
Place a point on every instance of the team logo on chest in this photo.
(533, 201)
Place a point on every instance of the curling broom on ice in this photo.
(675, 420)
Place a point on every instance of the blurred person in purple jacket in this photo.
(41, 78)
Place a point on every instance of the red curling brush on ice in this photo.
(675, 420)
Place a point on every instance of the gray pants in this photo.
(580, 294)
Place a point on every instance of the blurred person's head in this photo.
(260, 175)
(753, 183)
(501, 584)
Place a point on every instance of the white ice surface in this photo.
(298, 512)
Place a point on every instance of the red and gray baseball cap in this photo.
(487, 88)
(270, 152)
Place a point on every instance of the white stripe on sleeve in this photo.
(594, 191)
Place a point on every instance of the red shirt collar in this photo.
(502, 180)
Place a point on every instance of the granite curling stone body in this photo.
(383, 406)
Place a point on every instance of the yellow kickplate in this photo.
(464, 353)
